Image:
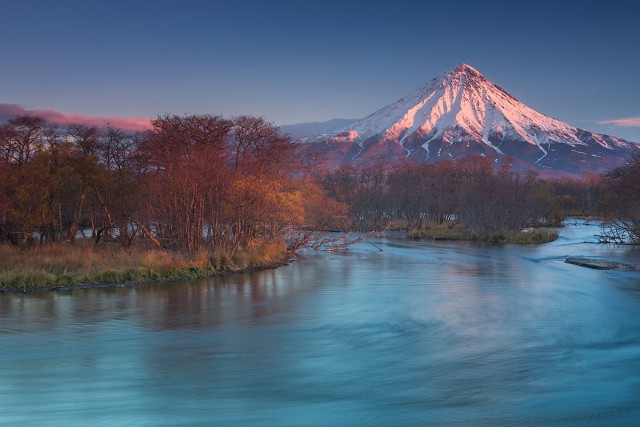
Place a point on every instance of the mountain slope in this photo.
(460, 113)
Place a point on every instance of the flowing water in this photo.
(421, 333)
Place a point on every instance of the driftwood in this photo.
(620, 232)
(328, 241)
(347, 240)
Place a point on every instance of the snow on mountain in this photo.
(461, 112)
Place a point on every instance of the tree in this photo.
(256, 147)
(22, 138)
(622, 201)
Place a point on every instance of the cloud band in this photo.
(8, 111)
(626, 122)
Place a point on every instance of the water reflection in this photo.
(421, 334)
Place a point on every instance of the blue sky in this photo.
(296, 61)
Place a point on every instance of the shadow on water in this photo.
(422, 333)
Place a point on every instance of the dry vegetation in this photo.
(454, 231)
(61, 265)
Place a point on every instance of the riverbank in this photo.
(62, 266)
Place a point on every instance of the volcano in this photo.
(461, 113)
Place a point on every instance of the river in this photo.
(420, 333)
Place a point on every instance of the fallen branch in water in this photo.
(326, 241)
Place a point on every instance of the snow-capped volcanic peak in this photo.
(461, 112)
(463, 98)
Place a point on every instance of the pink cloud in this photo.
(125, 123)
(627, 122)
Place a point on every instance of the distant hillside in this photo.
(312, 129)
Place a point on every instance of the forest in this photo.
(208, 187)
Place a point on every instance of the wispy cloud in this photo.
(8, 111)
(626, 122)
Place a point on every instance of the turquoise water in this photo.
(421, 333)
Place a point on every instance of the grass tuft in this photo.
(453, 231)
(449, 230)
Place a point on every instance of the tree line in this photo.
(473, 193)
(188, 183)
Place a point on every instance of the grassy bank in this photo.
(63, 265)
(453, 231)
